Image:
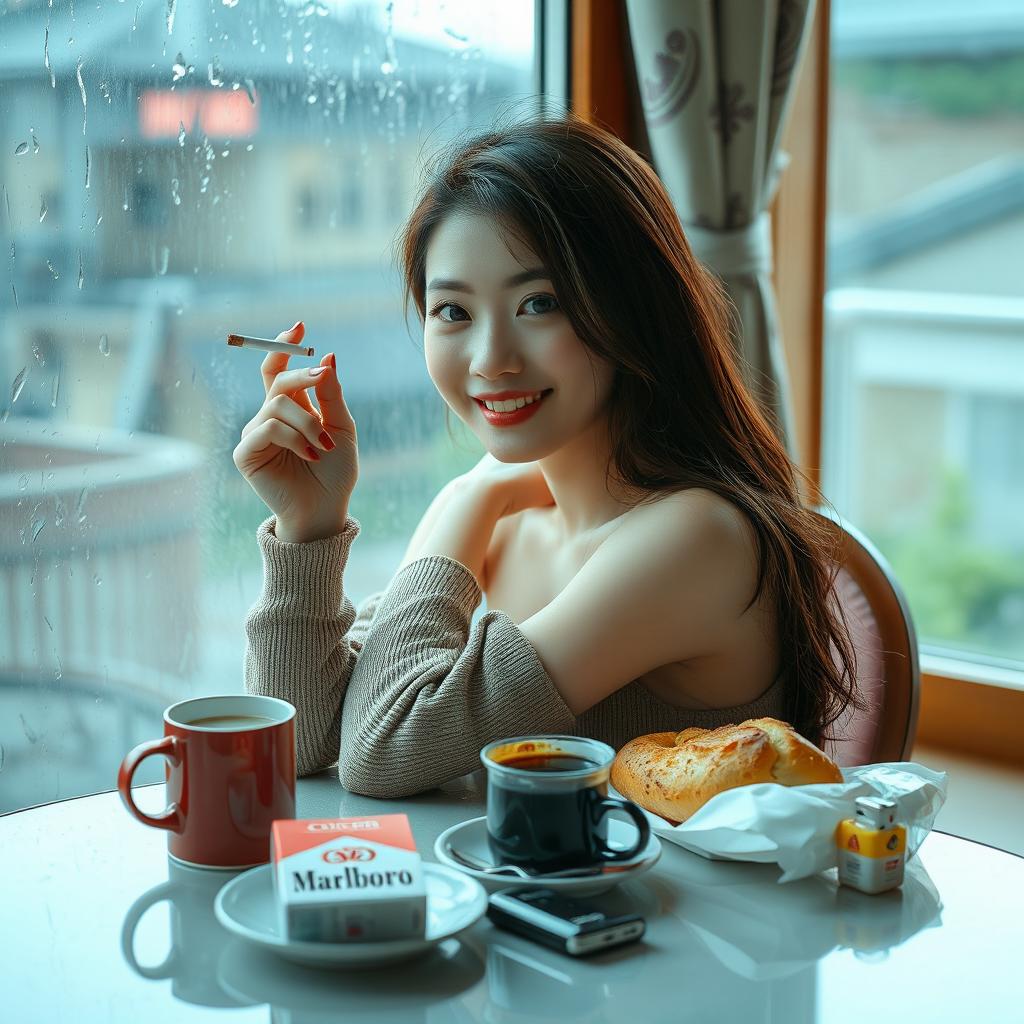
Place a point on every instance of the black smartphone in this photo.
(567, 924)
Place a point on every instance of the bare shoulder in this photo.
(701, 531)
(696, 514)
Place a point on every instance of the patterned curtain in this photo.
(716, 78)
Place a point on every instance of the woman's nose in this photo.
(494, 353)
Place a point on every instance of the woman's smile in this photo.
(511, 412)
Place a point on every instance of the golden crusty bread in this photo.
(675, 773)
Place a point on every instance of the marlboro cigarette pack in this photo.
(348, 879)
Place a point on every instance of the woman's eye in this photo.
(541, 304)
(455, 314)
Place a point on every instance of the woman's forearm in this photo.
(426, 524)
(461, 526)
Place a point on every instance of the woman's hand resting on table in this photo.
(302, 461)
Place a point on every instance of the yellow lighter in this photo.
(871, 847)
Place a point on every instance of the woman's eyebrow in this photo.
(530, 274)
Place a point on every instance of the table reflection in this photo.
(423, 991)
(197, 938)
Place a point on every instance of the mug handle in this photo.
(173, 818)
(609, 804)
(131, 920)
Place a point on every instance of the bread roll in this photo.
(675, 773)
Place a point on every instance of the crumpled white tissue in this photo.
(794, 826)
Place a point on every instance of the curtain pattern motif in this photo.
(716, 80)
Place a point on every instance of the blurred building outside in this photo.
(924, 380)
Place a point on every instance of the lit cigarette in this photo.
(241, 341)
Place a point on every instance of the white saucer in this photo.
(247, 907)
(471, 837)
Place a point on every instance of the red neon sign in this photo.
(162, 113)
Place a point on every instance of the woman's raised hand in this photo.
(302, 461)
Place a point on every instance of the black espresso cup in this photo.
(548, 803)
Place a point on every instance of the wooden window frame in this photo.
(980, 718)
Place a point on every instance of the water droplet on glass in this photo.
(56, 276)
(97, 580)
(105, 91)
(171, 4)
(46, 57)
(55, 392)
(14, 291)
(21, 149)
(15, 388)
(37, 526)
(42, 210)
(181, 134)
(88, 165)
(80, 514)
(215, 72)
(48, 622)
(165, 256)
(249, 148)
(229, 3)
(35, 141)
(250, 90)
(104, 349)
(81, 89)
(457, 36)
(311, 98)
(180, 68)
(19, 383)
(203, 182)
(81, 271)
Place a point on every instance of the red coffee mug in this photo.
(230, 773)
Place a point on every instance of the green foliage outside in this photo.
(962, 593)
(955, 88)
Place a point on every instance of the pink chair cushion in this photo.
(855, 731)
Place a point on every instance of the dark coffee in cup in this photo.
(549, 763)
(548, 803)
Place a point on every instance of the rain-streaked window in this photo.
(924, 396)
(170, 173)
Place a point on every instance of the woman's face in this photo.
(493, 324)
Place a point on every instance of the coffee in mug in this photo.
(548, 803)
(230, 774)
(230, 722)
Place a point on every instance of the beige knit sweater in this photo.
(403, 694)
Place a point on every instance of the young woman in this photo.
(636, 526)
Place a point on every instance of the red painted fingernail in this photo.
(312, 452)
(298, 324)
(326, 440)
(334, 363)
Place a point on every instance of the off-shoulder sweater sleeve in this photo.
(304, 635)
(430, 688)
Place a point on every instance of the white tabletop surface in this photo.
(97, 924)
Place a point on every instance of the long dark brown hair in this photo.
(679, 415)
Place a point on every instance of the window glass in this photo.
(171, 173)
(924, 391)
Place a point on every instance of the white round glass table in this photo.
(98, 924)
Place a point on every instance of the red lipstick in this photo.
(511, 419)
